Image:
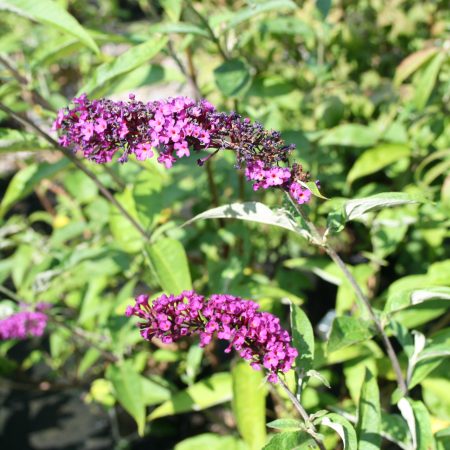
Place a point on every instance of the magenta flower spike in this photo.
(257, 336)
(176, 127)
(25, 323)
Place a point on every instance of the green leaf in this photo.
(128, 391)
(131, 59)
(395, 429)
(377, 158)
(354, 209)
(287, 25)
(147, 195)
(211, 441)
(348, 330)
(324, 7)
(253, 212)
(50, 13)
(89, 359)
(412, 63)
(233, 77)
(402, 299)
(172, 8)
(312, 186)
(290, 440)
(12, 140)
(286, 424)
(424, 432)
(204, 394)
(249, 404)
(125, 234)
(244, 14)
(343, 428)
(350, 135)
(178, 28)
(369, 415)
(425, 79)
(153, 393)
(169, 261)
(26, 179)
(302, 339)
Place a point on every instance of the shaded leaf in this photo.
(350, 135)
(343, 428)
(302, 339)
(348, 330)
(26, 179)
(232, 77)
(377, 158)
(289, 440)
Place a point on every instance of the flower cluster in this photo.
(24, 323)
(102, 128)
(175, 127)
(256, 335)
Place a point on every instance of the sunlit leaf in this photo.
(369, 415)
(204, 394)
(249, 404)
(50, 13)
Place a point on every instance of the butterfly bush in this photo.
(25, 323)
(257, 336)
(102, 128)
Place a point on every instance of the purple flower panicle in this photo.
(25, 323)
(257, 336)
(176, 127)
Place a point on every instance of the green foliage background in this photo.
(362, 87)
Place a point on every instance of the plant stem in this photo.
(103, 189)
(310, 428)
(210, 31)
(318, 238)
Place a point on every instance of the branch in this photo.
(359, 293)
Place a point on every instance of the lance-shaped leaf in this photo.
(343, 428)
(347, 330)
(131, 59)
(252, 212)
(401, 299)
(128, 391)
(50, 13)
(353, 209)
(369, 415)
(204, 394)
(249, 404)
(302, 338)
(169, 262)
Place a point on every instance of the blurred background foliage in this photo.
(361, 87)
